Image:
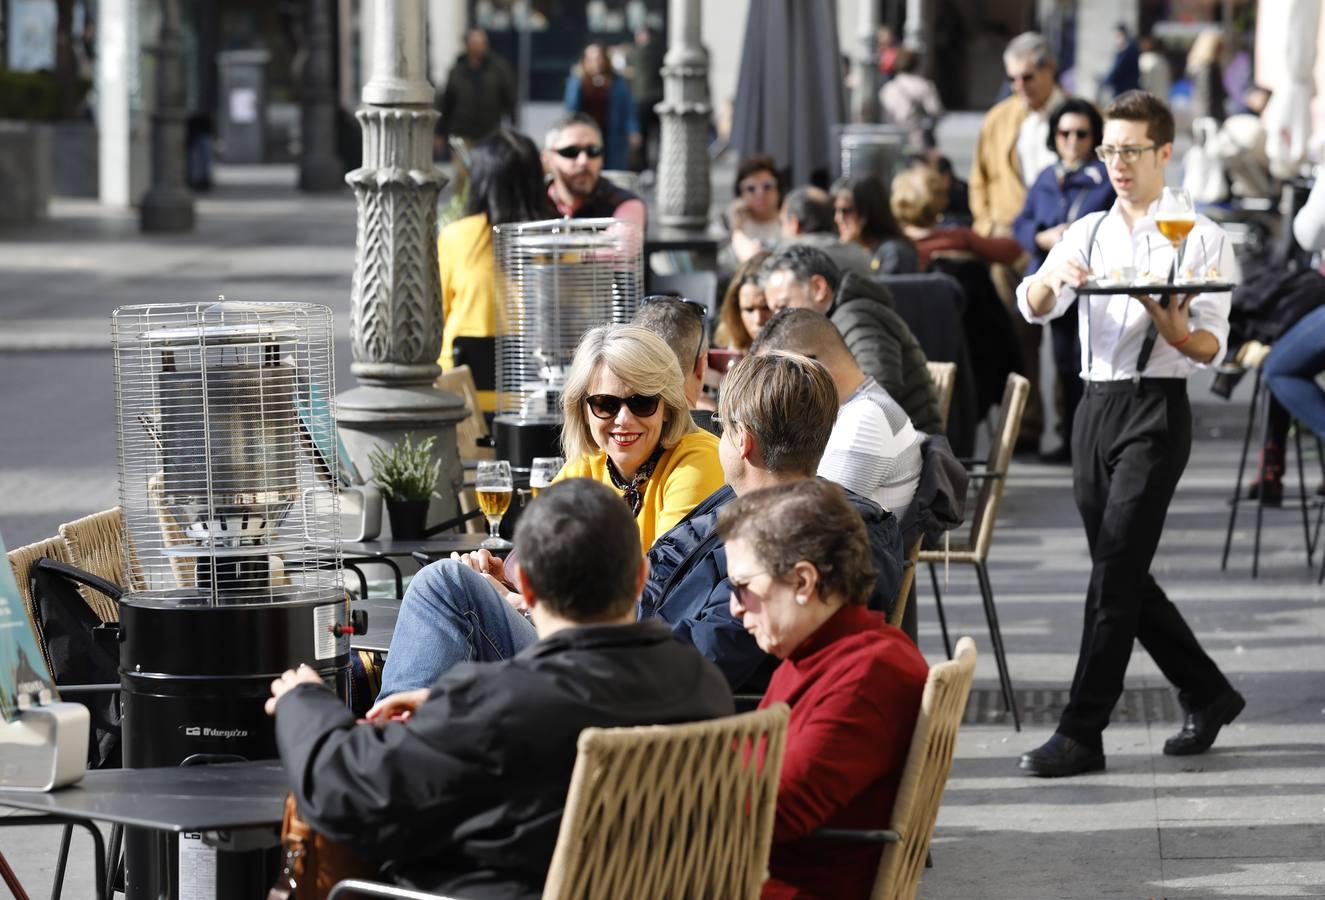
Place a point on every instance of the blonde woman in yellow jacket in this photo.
(627, 424)
(505, 185)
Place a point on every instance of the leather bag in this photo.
(313, 864)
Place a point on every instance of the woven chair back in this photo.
(1015, 393)
(21, 560)
(926, 774)
(944, 376)
(97, 545)
(460, 381)
(671, 810)
(904, 589)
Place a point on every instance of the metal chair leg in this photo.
(1302, 490)
(10, 878)
(61, 861)
(114, 859)
(996, 638)
(938, 602)
(1242, 468)
(1260, 494)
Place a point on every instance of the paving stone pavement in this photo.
(1246, 819)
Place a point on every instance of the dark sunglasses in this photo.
(1022, 77)
(606, 406)
(1080, 134)
(845, 210)
(593, 151)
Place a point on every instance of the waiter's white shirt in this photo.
(1113, 326)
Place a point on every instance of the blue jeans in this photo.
(1292, 366)
(450, 615)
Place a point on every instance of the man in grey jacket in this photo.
(862, 310)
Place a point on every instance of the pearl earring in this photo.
(800, 601)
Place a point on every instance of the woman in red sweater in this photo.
(799, 565)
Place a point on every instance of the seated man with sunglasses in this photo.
(683, 324)
(778, 412)
(573, 160)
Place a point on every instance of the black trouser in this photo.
(1129, 447)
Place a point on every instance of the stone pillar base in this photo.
(167, 211)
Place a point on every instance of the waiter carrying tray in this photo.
(1133, 432)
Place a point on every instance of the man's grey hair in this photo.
(1029, 46)
(566, 121)
(802, 261)
(810, 207)
(672, 320)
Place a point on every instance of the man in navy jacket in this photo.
(777, 412)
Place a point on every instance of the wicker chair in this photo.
(662, 811)
(908, 579)
(95, 545)
(944, 376)
(21, 560)
(923, 780)
(975, 551)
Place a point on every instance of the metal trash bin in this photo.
(871, 150)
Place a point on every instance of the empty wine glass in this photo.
(542, 470)
(494, 486)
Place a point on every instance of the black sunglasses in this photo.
(1080, 134)
(593, 151)
(694, 306)
(606, 406)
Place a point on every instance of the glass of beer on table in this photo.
(541, 472)
(495, 488)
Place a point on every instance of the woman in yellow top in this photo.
(627, 424)
(505, 185)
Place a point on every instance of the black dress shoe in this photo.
(1201, 726)
(1061, 756)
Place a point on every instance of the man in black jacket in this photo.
(479, 93)
(777, 412)
(465, 796)
(862, 310)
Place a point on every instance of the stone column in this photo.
(320, 169)
(396, 313)
(168, 205)
(683, 159)
(865, 96)
(915, 35)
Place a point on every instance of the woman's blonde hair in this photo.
(918, 197)
(639, 358)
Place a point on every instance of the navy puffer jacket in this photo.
(687, 586)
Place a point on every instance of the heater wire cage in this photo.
(871, 150)
(558, 279)
(227, 452)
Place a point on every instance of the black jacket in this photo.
(466, 798)
(475, 100)
(885, 348)
(688, 588)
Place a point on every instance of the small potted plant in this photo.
(407, 475)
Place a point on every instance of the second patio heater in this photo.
(227, 455)
(557, 279)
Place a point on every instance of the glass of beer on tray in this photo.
(541, 472)
(495, 488)
(1175, 217)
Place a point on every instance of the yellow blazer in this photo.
(469, 288)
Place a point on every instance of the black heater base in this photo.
(194, 680)
(520, 442)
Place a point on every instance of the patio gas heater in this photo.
(559, 278)
(227, 461)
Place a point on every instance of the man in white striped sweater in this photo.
(873, 450)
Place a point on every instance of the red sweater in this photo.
(854, 689)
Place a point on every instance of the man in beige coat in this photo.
(1012, 150)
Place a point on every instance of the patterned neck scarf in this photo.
(633, 490)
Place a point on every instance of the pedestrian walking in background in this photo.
(1154, 72)
(1125, 73)
(911, 100)
(1205, 69)
(594, 89)
(479, 94)
(645, 57)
